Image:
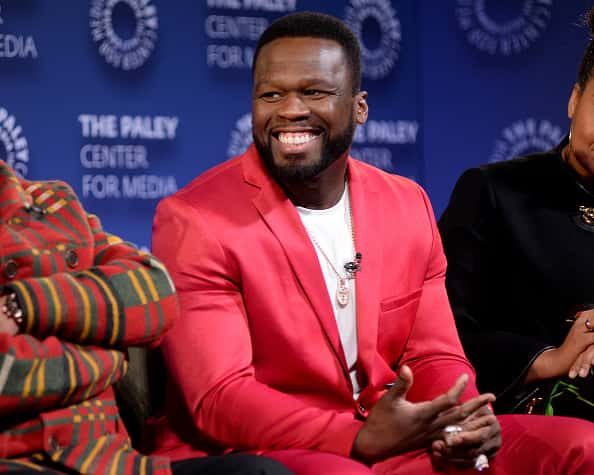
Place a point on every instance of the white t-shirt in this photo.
(331, 229)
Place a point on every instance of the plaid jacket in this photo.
(86, 296)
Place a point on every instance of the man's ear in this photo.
(573, 100)
(361, 107)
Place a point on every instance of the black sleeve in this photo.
(481, 296)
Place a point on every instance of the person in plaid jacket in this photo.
(73, 297)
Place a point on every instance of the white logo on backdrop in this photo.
(124, 53)
(373, 141)
(525, 136)
(279, 6)
(14, 149)
(231, 34)
(15, 45)
(122, 147)
(497, 32)
(377, 60)
(241, 136)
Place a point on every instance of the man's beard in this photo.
(296, 172)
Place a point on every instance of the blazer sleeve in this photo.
(473, 237)
(208, 352)
(37, 375)
(433, 350)
(125, 299)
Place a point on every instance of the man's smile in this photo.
(296, 142)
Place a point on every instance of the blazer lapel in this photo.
(367, 209)
(282, 219)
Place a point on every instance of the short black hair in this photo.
(587, 63)
(315, 25)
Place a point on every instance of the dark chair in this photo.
(141, 392)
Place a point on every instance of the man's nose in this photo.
(293, 107)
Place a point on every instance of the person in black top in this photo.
(519, 239)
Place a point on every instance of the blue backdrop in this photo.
(128, 100)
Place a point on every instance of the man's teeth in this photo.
(295, 138)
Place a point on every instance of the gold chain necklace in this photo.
(343, 292)
(587, 215)
(586, 212)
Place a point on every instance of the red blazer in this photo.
(255, 359)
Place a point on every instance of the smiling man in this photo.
(303, 117)
(312, 289)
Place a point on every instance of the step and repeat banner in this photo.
(128, 100)
(496, 79)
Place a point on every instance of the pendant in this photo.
(342, 292)
(587, 215)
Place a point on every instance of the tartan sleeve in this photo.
(125, 299)
(37, 375)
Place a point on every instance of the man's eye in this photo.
(314, 93)
(270, 96)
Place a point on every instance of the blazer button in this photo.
(10, 269)
(362, 408)
(71, 258)
(53, 444)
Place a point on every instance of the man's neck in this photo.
(320, 192)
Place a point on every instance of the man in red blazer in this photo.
(312, 290)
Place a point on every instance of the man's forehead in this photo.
(299, 52)
(305, 40)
